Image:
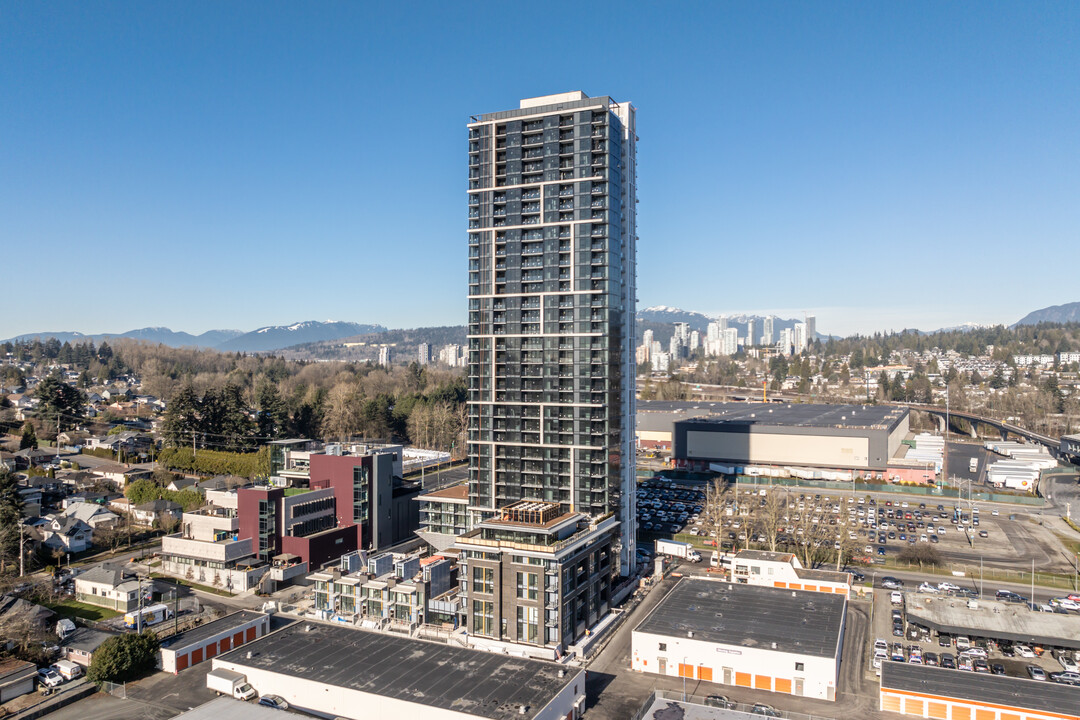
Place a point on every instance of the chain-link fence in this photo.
(115, 689)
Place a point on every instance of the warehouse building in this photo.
(204, 642)
(860, 438)
(336, 671)
(655, 419)
(780, 570)
(934, 692)
(785, 641)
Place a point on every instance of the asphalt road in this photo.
(106, 707)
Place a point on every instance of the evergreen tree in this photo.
(124, 657)
(273, 415)
(11, 510)
(60, 402)
(181, 416)
(29, 438)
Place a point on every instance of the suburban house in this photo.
(183, 483)
(65, 533)
(14, 610)
(109, 586)
(94, 515)
(121, 505)
(156, 510)
(127, 441)
(79, 646)
(113, 472)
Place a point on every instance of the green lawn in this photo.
(73, 608)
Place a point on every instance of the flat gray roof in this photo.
(995, 620)
(797, 621)
(200, 634)
(226, 708)
(816, 415)
(417, 671)
(978, 687)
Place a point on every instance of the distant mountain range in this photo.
(1067, 313)
(264, 339)
(312, 333)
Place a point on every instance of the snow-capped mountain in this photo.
(264, 339)
(276, 337)
(162, 335)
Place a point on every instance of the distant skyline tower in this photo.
(767, 337)
(811, 329)
(750, 332)
(552, 291)
(798, 337)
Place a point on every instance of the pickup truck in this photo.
(227, 682)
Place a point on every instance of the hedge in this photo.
(217, 462)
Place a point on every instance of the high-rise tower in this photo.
(552, 236)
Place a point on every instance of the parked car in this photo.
(1036, 672)
(975, 652)
(981, 666)
(928, 588)
(1066, 678)
(720, 701)
(766, 710)
(997, 669)
(930, 658)
(49, 677)
(896, 598)
(274, 701)
(891, 583)
(948, 661)
(1024, 651)
(1068, 662)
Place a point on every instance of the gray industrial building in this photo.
(338, 671)
(848, 437)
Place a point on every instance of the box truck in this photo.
(677, 549)
(227, 682)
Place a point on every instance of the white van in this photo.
(67, 669)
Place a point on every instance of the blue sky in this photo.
(231, 165)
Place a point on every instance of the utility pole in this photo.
(138, 611)
(945, 457)
(192, 444)
(22, 555)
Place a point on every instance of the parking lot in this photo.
(666, 507)
(898, 639)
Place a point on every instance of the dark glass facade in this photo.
(551, 303)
